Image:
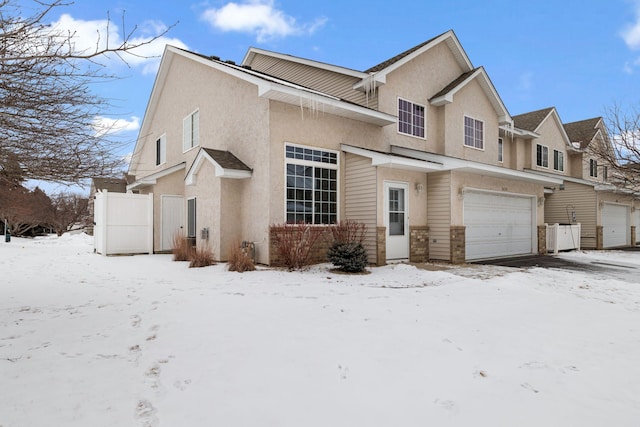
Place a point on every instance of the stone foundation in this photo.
(457, 236)
(381, 242)
(599, 237)
(542, 240)
(419, 244)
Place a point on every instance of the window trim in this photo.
(546, 157)
(593, 168)
(556, 154)
(191, 145)
(464, 132)
(314, 164)
(500, 150)
(188, 233)
(161, 150)
(424, 118)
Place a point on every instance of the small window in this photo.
(558, 160)
(411, 118)
(191, 131)
(191, 218)
(161, 150)
(500, 152)
(542, 156)
(473, 133)
(605, 173)
(593, 168)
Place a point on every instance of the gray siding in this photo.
(439, 215)
(360, 197)
(329, 82)
(578, 198)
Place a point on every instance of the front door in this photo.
(172, 220)
(397, 219)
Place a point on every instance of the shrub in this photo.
(239, 260)
(347, 252)
(348, 256)
(201, 257)
(182, 248)
(293, 243)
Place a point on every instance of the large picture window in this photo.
(312, 185)
(542, 156)
(473, 133)
(411, 118)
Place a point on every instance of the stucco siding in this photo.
(439, 214)
(360, 198)
(577, 200)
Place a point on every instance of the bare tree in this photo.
(622, 153)
(46, 104)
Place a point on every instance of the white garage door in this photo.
(498, 225)
(616, 230)
(637, 225)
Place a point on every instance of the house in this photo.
(414, 147)
(587, 195)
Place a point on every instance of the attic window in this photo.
(411, 118)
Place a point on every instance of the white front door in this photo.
(172, 220)
(396, 213)
(616, 230)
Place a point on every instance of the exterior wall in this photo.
(361, 198)
(417, 81)
(207, 192)
(577, 166)
(551, 136)
(439, 214)
(578, 199)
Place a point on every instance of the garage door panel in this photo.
(497, 225)
(616, 228)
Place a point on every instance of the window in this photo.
(593, 168)
(605, 173)
(558, 160)
(191, 131)
(410, 118)
(161, 150)
(500, 152)
(542, 156)
(191, 218)
(312, 185)
(473, 133)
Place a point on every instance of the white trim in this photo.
(500, 150)
(153, 178)
(391, 161)
(193, 134)
(220, 172)
(163, 149)
(554, 160)
(424, 107)
(387, 185)
(464, 134)
(543, 146)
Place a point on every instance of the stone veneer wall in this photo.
(419, 244)
(633, 235)
(457, 236)
(542, 240)
(318, 253)
(381, 241)
(599, 237)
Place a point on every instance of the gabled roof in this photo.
(400, 56)
(583, 131)
(531, 121)
(225, 163)
(445, 96)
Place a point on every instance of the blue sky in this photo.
(577, 56)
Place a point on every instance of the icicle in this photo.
(369, 86)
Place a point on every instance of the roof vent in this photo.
(228, 61)
(214, 58)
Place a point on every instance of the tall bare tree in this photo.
(46, 104)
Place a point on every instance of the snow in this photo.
(87, 340)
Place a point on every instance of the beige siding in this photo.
(360, 197)
(578, 198)
(439, 215)
(329, 82)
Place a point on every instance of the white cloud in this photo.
(90, 36)
(631, 33)
(107, 126)
(259, 17)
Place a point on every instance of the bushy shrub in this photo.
(348, 256)
(182, 248)
(201, 257)
(239, 260)
(347, 252)
(293, 243)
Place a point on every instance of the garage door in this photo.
(616, 230)
(637, 225)
(498, 225)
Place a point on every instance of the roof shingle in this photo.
(583, 131)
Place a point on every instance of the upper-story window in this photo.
(542, 156)
(500, 150)
(593, 168)
(161, 150)
(312, 185)
(605, 173)
(473, 133)
(191, 131)
(558, 160)
(411, 118)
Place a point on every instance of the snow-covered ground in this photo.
(87, 340)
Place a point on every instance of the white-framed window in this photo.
(161, 150)
(542, 156)
(191, 131)
(593, 168)
(473, 133)
(558, 160)
(605, 173)
(311, 185)
(411, 118)
(500, 150)
(191, 218)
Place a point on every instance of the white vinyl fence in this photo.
(123, 223)
(562, 237)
